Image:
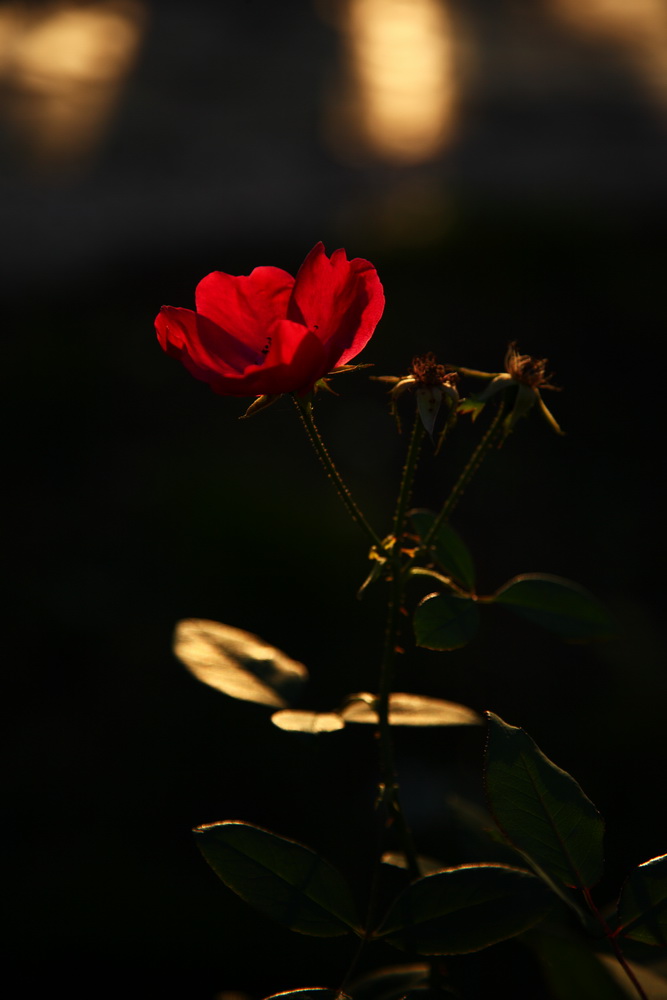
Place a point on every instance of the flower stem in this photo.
(305, 412)
(389, 786)
(389, 793)
(479, 454)
(407, 479)
(611, 937)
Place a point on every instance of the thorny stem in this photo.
(611, 937)
(389, 796)
(305, 412)
(479, 454)
(407, 479)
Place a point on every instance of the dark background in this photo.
(220, 140)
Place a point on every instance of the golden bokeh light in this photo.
(62, 67)
(637, 28)
(399, 94)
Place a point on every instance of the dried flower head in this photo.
(432, 383)
(523, 373)
(527, 370)
(426, 371)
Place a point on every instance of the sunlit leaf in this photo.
(409, 710)
(541, 809)
(558, 605)
(573, 971)
(471, 405)
(285, 880)
(300, 721)
(237, 663)
(310, 993)
(443, 621)
(398, 860)
(642, 906)
(449, 550)
(465, 909)
(261, 403)
(392, 982)
(651, 980)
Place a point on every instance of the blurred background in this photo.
(504, 166)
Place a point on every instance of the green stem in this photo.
(479, 454)
(305, 412)
(389, 785)
(407, 479)
(611, 937)
(389, 795)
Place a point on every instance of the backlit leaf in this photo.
(443, 621)
(398, 860)
(558, 605)
(314, 993)
(300, 721)
(652, 980)
(541, 809)
(573, 971)
(449, 550)
(237, 663)
(464, 909)
(642, 906)
(409, 710)
(392, 982)
(285, 880)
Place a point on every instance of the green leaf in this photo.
(558, 605)
(642, 906)
(572, 969)
(409, 710)
(449, 550)
(297, 720)
(237, 663)
(465, 909)
(285, 880)
(541, 809)
(443, 621)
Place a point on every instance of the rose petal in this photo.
(199, 344)
(245, 306)
(341, 300)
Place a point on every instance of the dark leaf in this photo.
(449, 550)
(465, 909)
(285, 880)
(237, 663)
(642, 906)
(541, 809)
(409, 710)
(443, 621)
(556, 604)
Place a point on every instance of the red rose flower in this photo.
(266, 332)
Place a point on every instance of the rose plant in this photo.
(266, 334)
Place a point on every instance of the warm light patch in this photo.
(62, 66)
(637, 27)
(401, 79)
